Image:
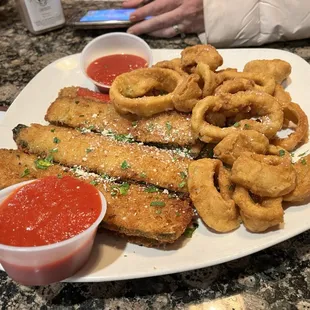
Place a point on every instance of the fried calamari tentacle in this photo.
(235, 144)
(209, 78)
(100, 154)
(302, 189)
(281, 95)
(264, 175)
(216, 208)
(187, 94)
(235, 85)
(293, 113)
(173, 64)
(263, 83)
(129, 91)
(260, 105)
(206, 54)
(261, 215)
(277, 68)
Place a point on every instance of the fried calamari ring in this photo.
(302, 189)
(173, 64)
(129, 91)
(263, 82)
(257, 217)
(206, 54)
(277, 68)
(187, 93)
(235, 144)
(293, 113)
(264, 175)
(235, 85)
(216, 208)
(209, 78)
(281, 95)
(259, 104)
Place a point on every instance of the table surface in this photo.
(276, 278)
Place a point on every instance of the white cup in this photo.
(114, 43)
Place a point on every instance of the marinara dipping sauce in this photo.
(105, 69)
(47, 228)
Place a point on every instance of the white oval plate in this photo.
(114, 258)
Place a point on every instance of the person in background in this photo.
(225, 23)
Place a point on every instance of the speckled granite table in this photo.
(277, 278)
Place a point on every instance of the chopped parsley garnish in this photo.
(247, 126)
(231, 187)
(303, 161)
(151, 189)
(93, 182)
(143, 175)
(302, 154)
(182, 184)
(188, 233)
(168, 126)
(25, 173)
(134, 124)
(178, 214)
(54, 150)
(122, 189)
(43, 163)
(237, 125)
(281, 153)
(125, 165)
(56, 140)
(59, 176)
(53, 129)
(183, 175)
(157, 203)
(88, 150)
(124, 138)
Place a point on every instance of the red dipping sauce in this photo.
(105, 69)
(44, 235)
(47, 211)
(84, 92)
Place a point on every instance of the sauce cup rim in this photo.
(4, 193)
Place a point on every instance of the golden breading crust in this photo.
(100, 154)
(128, 213)
(166, 128)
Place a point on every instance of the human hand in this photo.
(169, 17)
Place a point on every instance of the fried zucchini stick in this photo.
(170, 128)
(131, 211)
(100, 154)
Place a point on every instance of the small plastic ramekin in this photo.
(42, 265)
(113, 43)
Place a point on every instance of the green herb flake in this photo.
(43, 164)
(247, 126)
(54, 150)
(303, 161)
(123, 189)
(183, 175)
(93, 182)
(302, 154)
(25, 173)
(182, 184)
(157, 203)
(168, 126)
(134, 124)
(151, 189)
(231, 187)
(143, 175)
(281, 153)
(188, 233)
(59, 176)
(237, 125)
(178, 214)
(56, 140)
(125, 165)
(88, 150)
(53, 130)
